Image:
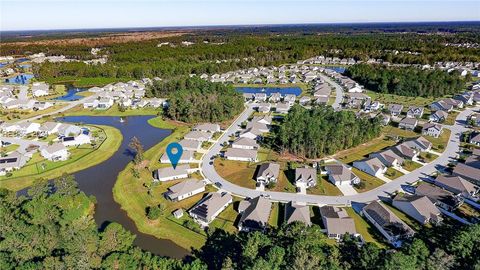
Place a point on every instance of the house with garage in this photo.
(185, 189)
(432, 129)
(68, 130)
(12, 161)
(388, 157)
(474, 138)
(76, 140)
(250, 133)
(395, 109)
(41, 105)
(418, 207)
(440, 197)
(290, 99)
(339, 174)
(415, 112)
(186, 157)
(421, 144)
(438, 116)
(255, 214)
(48, 128)
(169, 173)
(26, 128)
(264, 107)
(458, 186)
(40, 89)
(467, 172)
(241, 154)
(245, 143)
(408, 123)
(441, 105)
(207, 127)
(295, 212)
(275, 97)
(208, 208)
(104, 103)
(55, 152)
(190, 145)
(405, 151)
(200, 136)
(387, 223)
(372, 166)
(305, 177)
(267, 173)
(337, 222)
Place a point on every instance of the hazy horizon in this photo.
(41, 15)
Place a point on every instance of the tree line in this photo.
(406, 81)
(53, 228)
(317, 132)
(195, 100)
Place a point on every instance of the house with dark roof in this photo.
(255, 214)
(438, 116)
(440, 197)
(295, 212)
(474, 138)
(467, 172)
(389, 225)
(405, 151)
(395, 109)
(339, 174)
(388, 158)
(208, 208)
(421, 144)
(337, 222)
(267, 173)
(432, 129)
(418, 207)
(408, 123)
(458, 186)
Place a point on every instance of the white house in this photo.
(77, 140)
(55, 152)
(169, 173)
(372, 166)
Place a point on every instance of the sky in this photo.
(85, 14)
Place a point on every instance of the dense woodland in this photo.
(322, 131)
(53, 228)
(406, 81)
(195, 100)
(232, 51)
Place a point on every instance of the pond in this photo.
(20, 79)
(100, 179)
(269, 90)
(71, 94)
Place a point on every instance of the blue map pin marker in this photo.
(174, 153)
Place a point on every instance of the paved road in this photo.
(448, 155)
(70, 105)
(338, 92)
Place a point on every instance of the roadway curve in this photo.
(448, 155)
(338, 92)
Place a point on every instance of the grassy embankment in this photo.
(112, 111)
(81, 157)
(86, 82)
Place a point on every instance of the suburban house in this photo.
(169, 173)
(264, 119)
(241, 154)
(438, 116)
(474, 138)
(207, 127)
(200, 136)
(264, 107)
(421, 144)
(405, 151)
(339, 174)
(255, 214)
(12, 161)
(415, 112)
(260, 97)
(267, 173)
(260, 126)
(190, 145)
(395, 109)
(275, 97)
(76, 140)
(185, 189)
(373, 166)
(104, 103)
(388, 158)
(441, 106)
(54, 152)
(250, 133)
(187, 157)
(297, 213)
(290, 99)
(245, 143)
(418, 207)
(26, 128)
(474, 159)
(40, 89)
(282, 108)
(431, 129)
(305, 177)
(457, 185)
(440, 197)
(467, 172)
(68, 130)
(337, 222)
(305, 100)
(208, 208)
(408, 123)
(389, 225)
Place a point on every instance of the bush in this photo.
(154, 212)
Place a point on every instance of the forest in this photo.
(231, 51)
(406, 81)
(53, 228)
(195, 100)
(322, 131)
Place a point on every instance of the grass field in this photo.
(9, 148)
(405, 101)
(410, 165)
(131, 193)
(451, 118)
(113, 111)
(324, 187)
(439, 144)
(361, 151)
(427, 157)
(15, 115)
(391, 173)
(81, 158)
(86, 82)
(369, 181)
(237, 172)
(364, 228)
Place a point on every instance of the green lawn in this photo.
(409, 221)
(81, 158)
(369, 182)
(451, 118)
(237, 172)
(361, 151)
(405, 101)
(411, 165)
(275, 215)
(427, 157)
(439, 144)
(9, 148)
(393, 173)
(398, 132)
(324, 187)
(14, 115)
(364, 228)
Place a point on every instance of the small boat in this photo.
(122, 120)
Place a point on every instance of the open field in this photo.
(238, 172)
(369, 181)
(361, 151)
(81, 158)
(9, 148)
(405, 101)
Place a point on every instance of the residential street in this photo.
(448, 155)
(338, 92)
